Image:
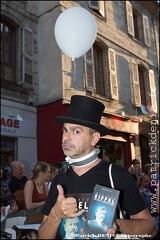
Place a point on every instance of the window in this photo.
(101, 76)
(8, 52)
(143, 83)
(8, 154)
(94, 4)
(17, 46)
(137, 25)
(98, 6)
(8, 148)
(98, 67)
(142, 86)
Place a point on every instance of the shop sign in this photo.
(13, 127)
(120, 125)
(9, 125)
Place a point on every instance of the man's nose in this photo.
(66, 135)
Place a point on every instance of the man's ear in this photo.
(95, 138)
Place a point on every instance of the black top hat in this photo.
(85, 111)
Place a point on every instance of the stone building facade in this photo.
(120, 70)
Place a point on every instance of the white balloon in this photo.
(75, 31)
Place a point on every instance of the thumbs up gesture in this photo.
(65, 207)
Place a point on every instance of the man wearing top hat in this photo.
(81, 132)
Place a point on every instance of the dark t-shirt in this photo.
(17, 184)
(130, 199)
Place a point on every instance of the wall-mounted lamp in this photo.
(18, 117)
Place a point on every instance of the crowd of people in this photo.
(79, 173)
(147, 179)
(23, 193)
(20, 192)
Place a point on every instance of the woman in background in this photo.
(36, 190)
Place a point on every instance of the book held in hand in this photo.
(70, 228)
(101, 213)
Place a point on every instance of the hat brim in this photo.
(98, 127)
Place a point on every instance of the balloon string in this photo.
(73, 69)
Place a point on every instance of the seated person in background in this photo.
(36, 190)
(17, 182)
(7, 197)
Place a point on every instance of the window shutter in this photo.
(102, 8)
(135, 82)
(152, 91)
(113, 74)
(146, 31)
(89, 71)
(129, 14)
(27, 57)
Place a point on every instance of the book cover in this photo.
(70, 228)
(101, 213)
(4, 213)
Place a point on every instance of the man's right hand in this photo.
(65, 207)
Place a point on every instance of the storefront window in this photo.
(113, 151)
(8, 154)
